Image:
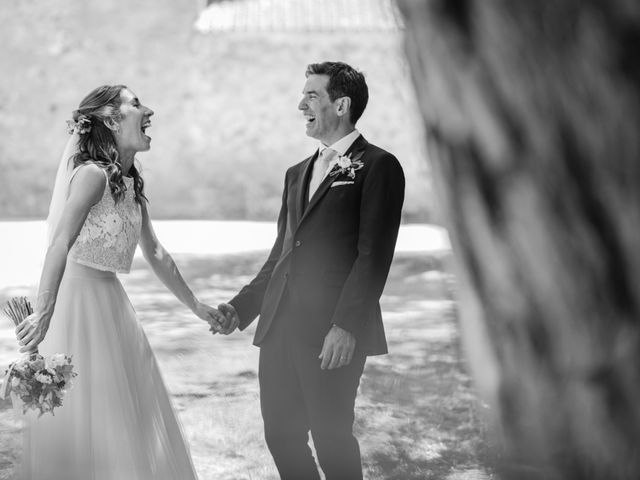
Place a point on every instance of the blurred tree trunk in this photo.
(532, 115)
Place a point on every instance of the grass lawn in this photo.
(417, 415)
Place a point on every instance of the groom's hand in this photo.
(231, 318)
(213, 317)
(337, 350)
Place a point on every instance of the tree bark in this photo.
(532, 120)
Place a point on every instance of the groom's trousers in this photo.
(297, 397)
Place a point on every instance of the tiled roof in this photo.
(299, 16)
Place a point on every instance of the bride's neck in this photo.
(126, 160)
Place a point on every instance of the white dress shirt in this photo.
(341, 147)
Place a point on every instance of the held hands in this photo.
(222, 320)
(232, 320)
(31, 331)
(212, 316)
(337, 350)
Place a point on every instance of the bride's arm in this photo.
(166, 270)
(86, 189)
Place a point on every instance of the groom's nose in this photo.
(302, 105)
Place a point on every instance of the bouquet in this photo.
(40, 383)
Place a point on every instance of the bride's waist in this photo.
(75, 269)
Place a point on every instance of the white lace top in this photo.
(110, 234)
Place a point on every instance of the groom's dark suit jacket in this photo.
(332, 254)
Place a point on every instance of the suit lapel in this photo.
(358, 145)
(303, 182)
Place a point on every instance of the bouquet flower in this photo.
(40, 383)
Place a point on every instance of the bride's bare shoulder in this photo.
(88, 179)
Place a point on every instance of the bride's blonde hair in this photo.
(98, 116)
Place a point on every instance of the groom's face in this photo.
(318, 109)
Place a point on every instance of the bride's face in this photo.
(135, 119)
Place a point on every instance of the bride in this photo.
(117, 423)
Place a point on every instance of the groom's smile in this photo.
(310, 125)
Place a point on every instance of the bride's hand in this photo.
(31, 331)
(211, 315)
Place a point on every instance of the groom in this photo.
(318, 293)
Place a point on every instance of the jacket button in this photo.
(298, 243)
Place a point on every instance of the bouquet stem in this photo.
(17, 309)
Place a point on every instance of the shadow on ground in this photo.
(417, 415)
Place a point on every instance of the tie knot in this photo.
(327, 154)
(325, 158)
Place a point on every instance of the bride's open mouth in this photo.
(144, 127)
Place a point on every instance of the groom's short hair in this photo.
(344, 81)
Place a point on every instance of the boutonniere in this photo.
(348, 165)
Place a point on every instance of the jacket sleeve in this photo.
(380, 214)
(248, 301)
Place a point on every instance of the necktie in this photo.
(320, 169)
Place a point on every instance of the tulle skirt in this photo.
(117, 422)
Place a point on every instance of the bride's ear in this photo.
(112, 125)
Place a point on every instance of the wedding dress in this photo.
(117, 421)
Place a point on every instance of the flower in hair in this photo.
(79, 126)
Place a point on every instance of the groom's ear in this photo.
(343, 104)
